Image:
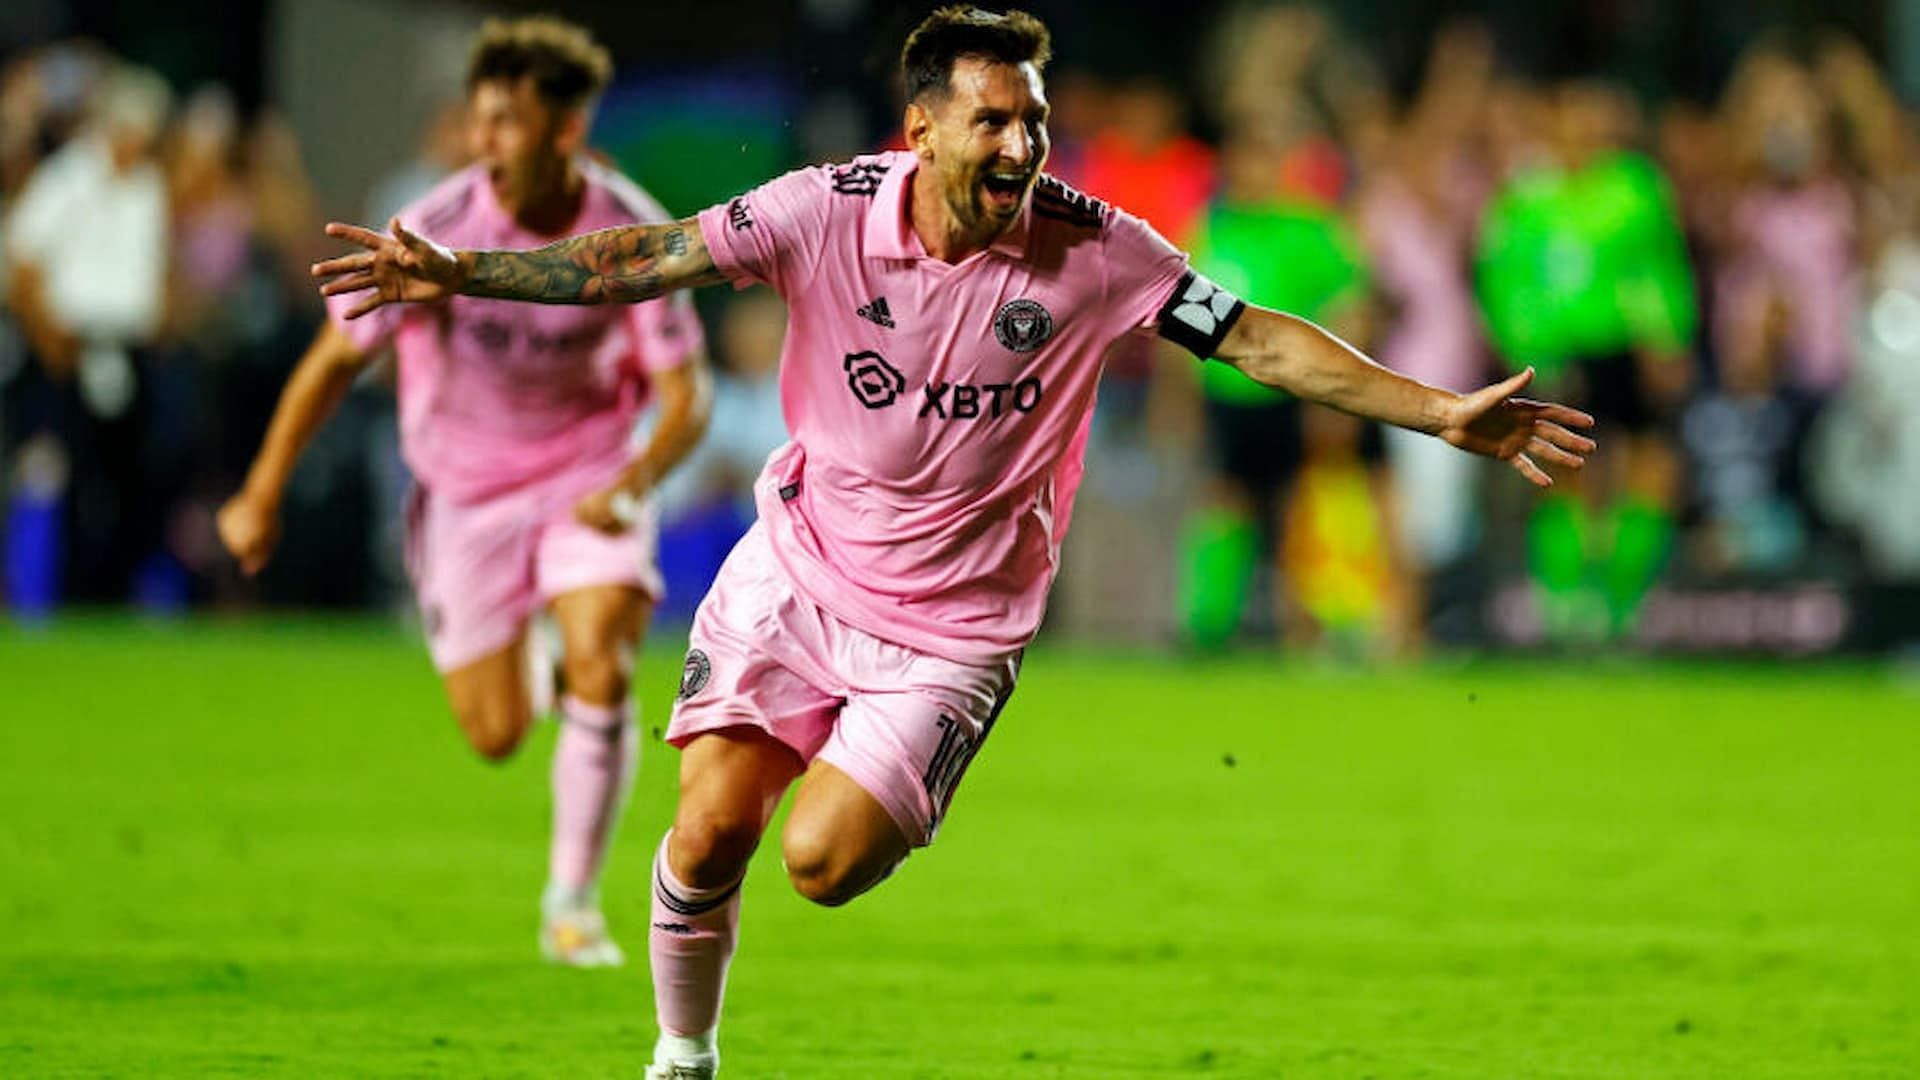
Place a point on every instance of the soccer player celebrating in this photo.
(516, 423)
(950, 306)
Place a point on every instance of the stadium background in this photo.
(296, 112)
(1618, 785)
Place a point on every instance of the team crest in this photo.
(694, 676)
(1023, 325)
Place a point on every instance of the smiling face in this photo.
(983, 142)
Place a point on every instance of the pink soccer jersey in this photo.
(938, 412)
(495, 395)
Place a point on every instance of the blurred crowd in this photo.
(1731, 286)
(154, 261)
(1728, 286)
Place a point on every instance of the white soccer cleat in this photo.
(578, 938)
(682, 1070)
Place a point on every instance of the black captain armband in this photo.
(1198, 315)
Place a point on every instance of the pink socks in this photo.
(592, 766)
(690, 941)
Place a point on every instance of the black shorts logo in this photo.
(1023, 325)
(695, 674)
(874, 381)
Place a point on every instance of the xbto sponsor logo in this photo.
(968, 401)
(877, 384)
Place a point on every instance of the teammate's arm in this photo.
(249, 523)
(683, 403)
(625, 264)
(1294, 355)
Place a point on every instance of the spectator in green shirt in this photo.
(1296, 256)
(1583, 273)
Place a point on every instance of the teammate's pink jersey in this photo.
(939, 412)
(495, 394)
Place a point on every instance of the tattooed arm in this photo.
(637, 262)
(624, 265)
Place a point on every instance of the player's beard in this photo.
(976, 209)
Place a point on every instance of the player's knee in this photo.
(495, 746)
(596, 675)
(819, 869)
(494, 731)
(712, 850)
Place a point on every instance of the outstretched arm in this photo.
(626, 264)
(1294, 355)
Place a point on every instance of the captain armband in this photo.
(1198, 315)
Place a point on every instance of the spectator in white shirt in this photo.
(86, 253)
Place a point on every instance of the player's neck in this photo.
(551, 208)
(934, 222)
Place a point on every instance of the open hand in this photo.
(1492, 422)
(397, 268)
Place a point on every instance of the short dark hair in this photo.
(961, 30)
(567, 66)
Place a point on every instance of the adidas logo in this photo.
(876, 312)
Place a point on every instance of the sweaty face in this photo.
(988, 140)
(512, 132)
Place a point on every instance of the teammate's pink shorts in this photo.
(480, 570)
(903, 724)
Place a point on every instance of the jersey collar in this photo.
(889, 232)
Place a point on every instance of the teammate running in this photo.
(515, 422)
(950, 306)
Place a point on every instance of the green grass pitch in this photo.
(260, 849)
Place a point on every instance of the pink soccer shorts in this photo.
(480, 570)
(903, 724)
